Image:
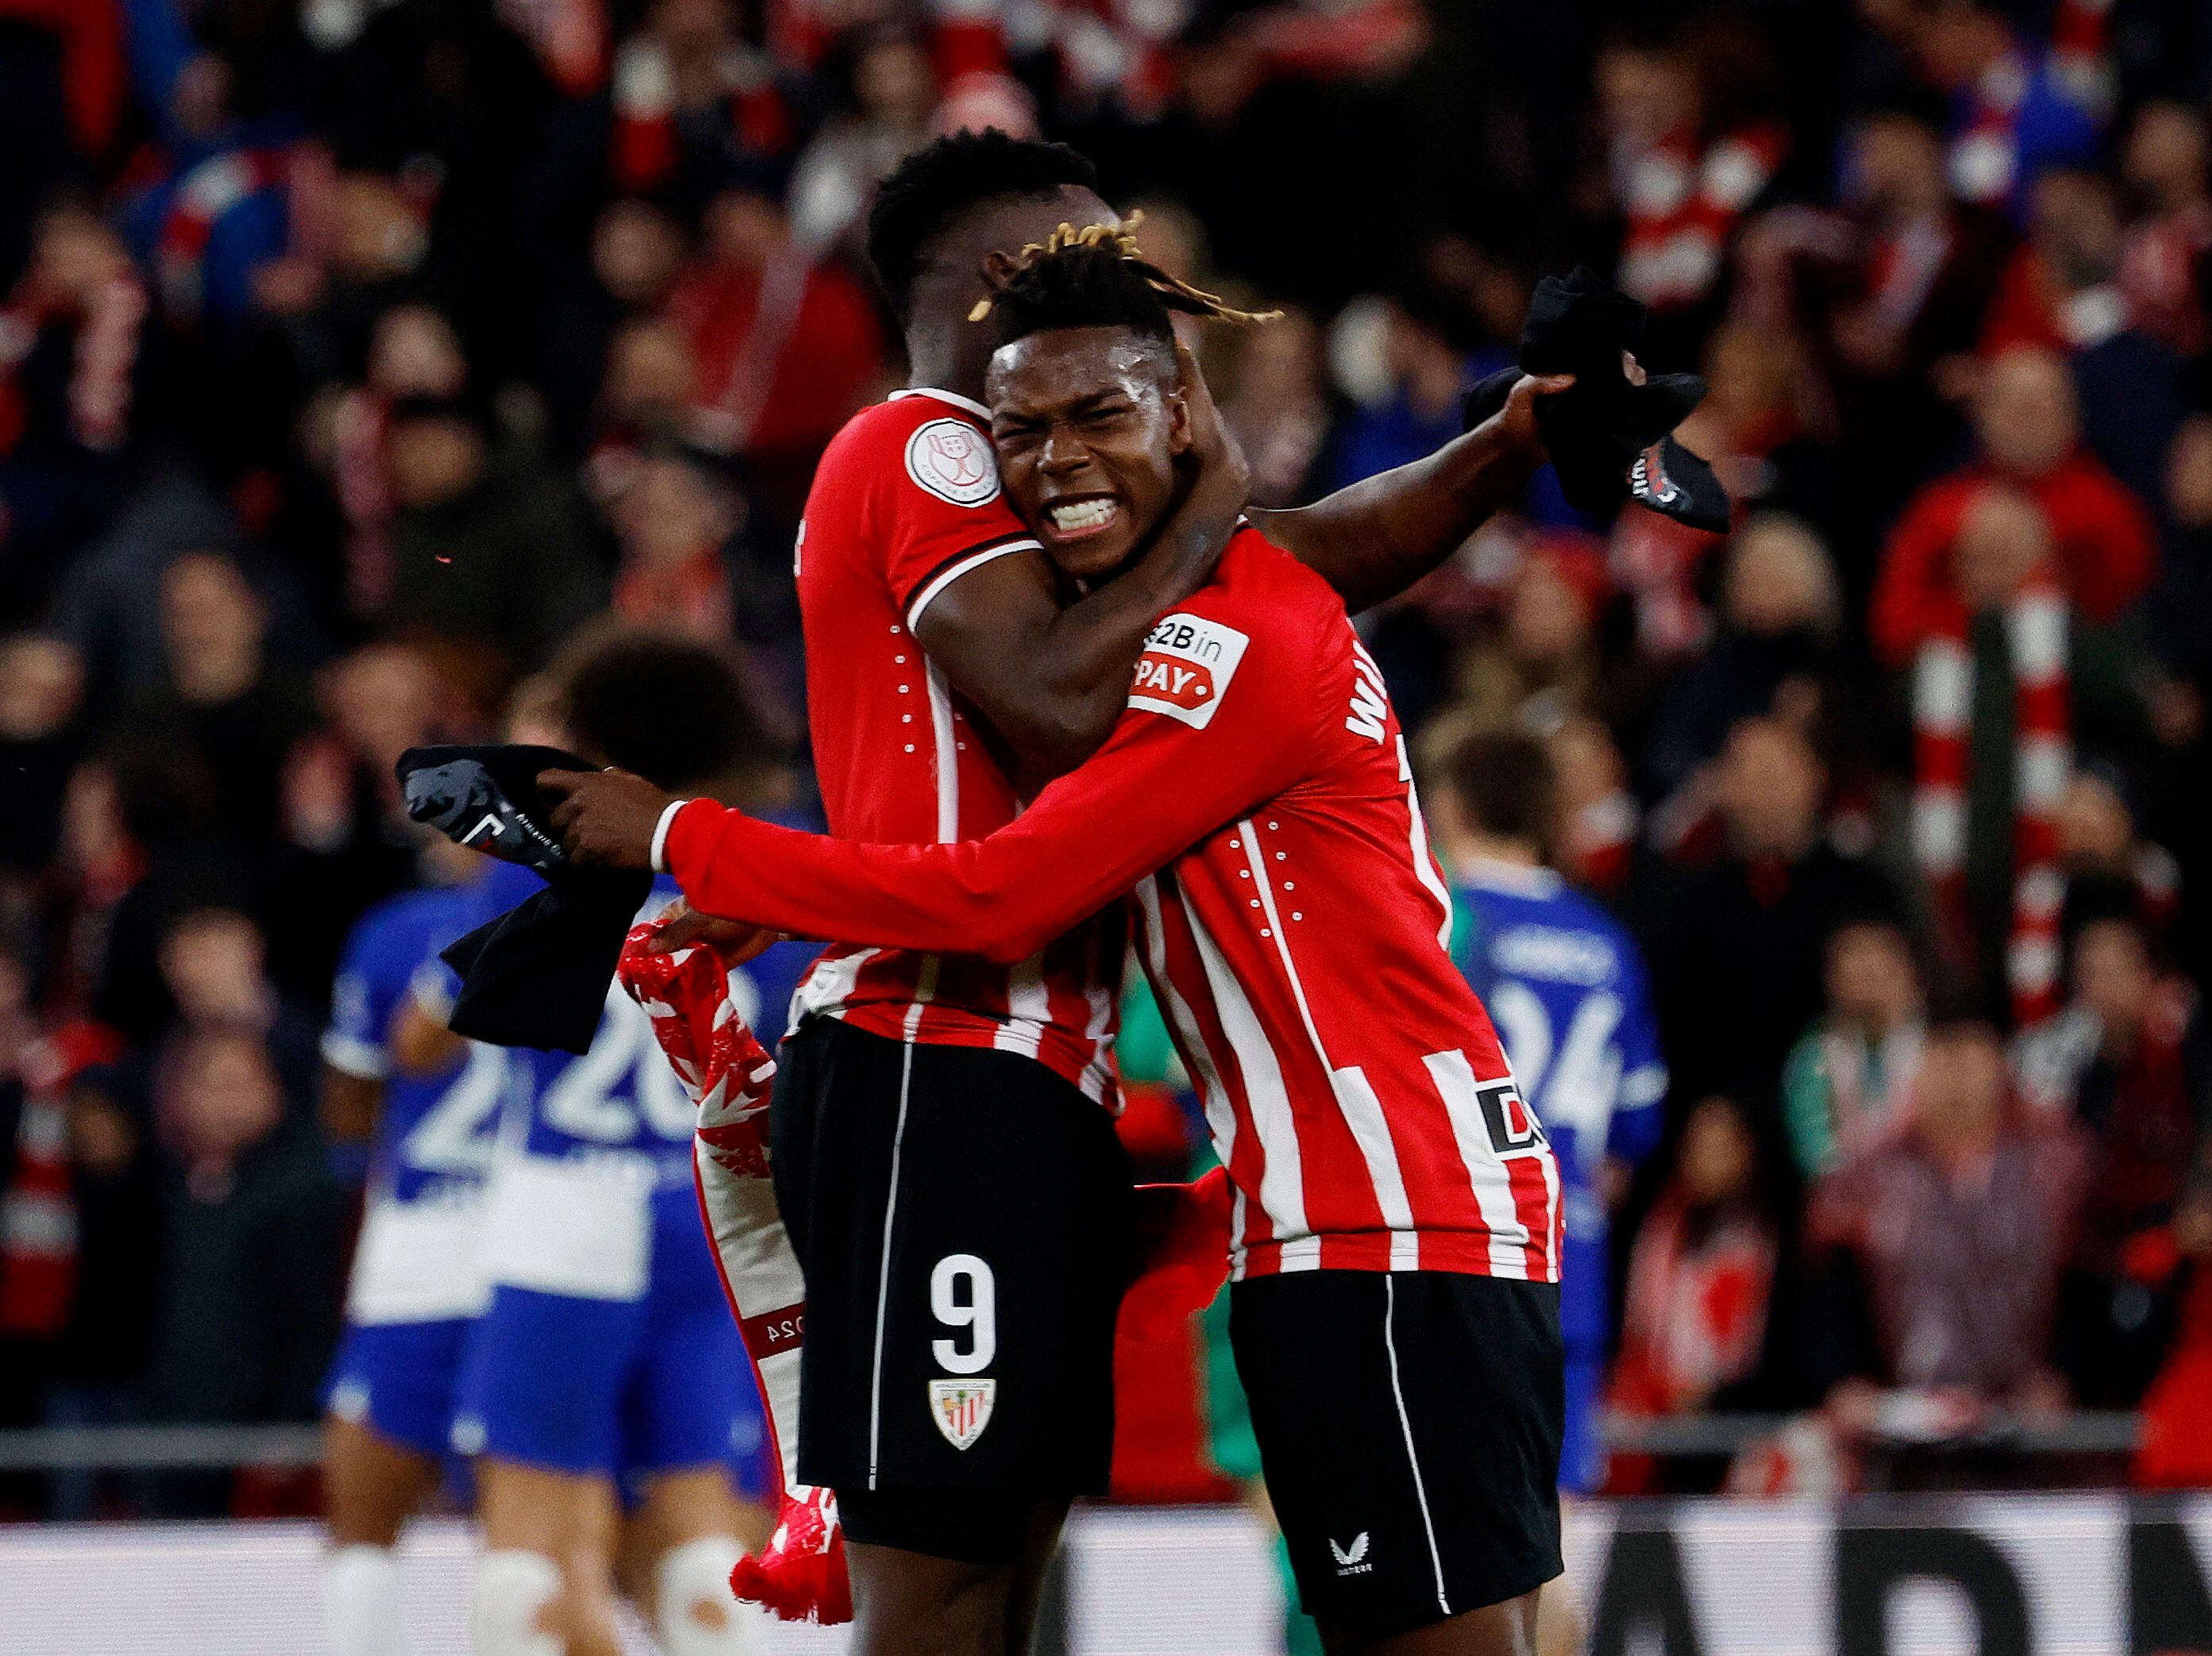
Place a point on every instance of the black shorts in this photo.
(1408, 1426)
(963, 1219)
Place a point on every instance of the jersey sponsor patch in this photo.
(953, 461)
(1186, 668)
(962, 1408)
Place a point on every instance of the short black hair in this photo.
(672, 709)
(1092, 285)
(1504, 783)
(942, 180)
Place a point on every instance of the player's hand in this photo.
(605, 818)
(1517, 420)
(735, 941)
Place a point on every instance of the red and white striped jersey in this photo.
(905, 502)
(1258, 797)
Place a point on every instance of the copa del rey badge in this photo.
(953, 461)
(962, 1408)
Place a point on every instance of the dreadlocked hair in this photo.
(1098, 277)
(942, 180)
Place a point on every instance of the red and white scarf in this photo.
(2035, 634)
(801, 1574)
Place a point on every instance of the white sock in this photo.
(361, 1602)
(693, 1610)
(513, 1588)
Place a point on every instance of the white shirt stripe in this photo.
(1282, 1174)
(1355, 1097)
(1487, 1174)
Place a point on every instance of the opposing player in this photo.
(607, 1397)
(951, 668)
(1393, 1189)
(430, 1108)
(1565, 987)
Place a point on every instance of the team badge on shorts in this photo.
(962, 1408)
(953, 461)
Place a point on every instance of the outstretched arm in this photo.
(1375, 538)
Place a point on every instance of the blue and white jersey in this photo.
(417, 1258)
(592, 1144)
(1566, 989)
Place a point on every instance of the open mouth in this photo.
(1079, 520)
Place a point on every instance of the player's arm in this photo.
(1374, 539)
(1089, 836)
(1051, 678)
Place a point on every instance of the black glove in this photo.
(1609, 441)
(468, 795)
(537, 975)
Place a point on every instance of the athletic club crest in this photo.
(953, 461)
(962, 1408)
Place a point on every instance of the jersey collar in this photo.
(953, 398)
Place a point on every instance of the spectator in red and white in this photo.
(2128, 1060)
(1943, 1246)
(1701, 1274)
(2110, 865)
(2008, 681)
(1691, 147)
(1848, 1082)
(786, 345)
(2026, 418)
(2018, 105)
(2164, 166)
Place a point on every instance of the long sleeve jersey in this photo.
(1257, 797)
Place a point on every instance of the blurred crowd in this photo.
(354, 354)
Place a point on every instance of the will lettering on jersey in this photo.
(1186, 668)
(953, 461)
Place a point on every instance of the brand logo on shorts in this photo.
(1352, 1560)
(953, 461)
(962, 1408)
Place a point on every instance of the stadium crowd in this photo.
(355, 357)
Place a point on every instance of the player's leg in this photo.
(545, 1584)
(694, 1448)
(1413, 1456)
(540, 1406)
(389, 1405)
(1560, 1616)
(963, 1216)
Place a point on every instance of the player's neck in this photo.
(942, 361)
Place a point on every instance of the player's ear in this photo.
(999, 268)
(1178, 407)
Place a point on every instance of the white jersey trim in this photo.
(944, 577)
(952, 397)
(947, 756)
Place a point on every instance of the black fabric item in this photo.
(1408, 1423)
(1604, 433)
(537, 975)
(1004, 1186)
